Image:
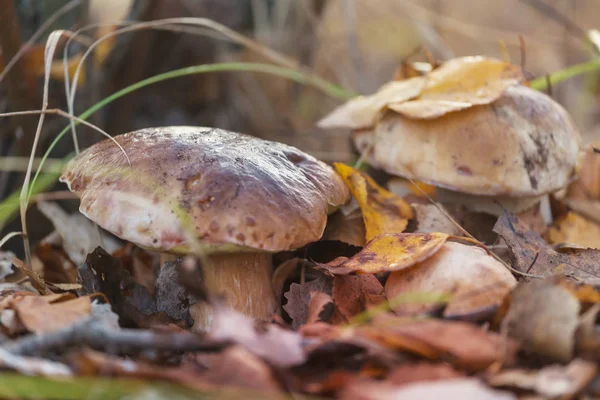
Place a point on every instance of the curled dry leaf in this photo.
(320, 307)
(383, 211)
(391, 252)
(477, 282)
(362, 111)
(554, 381)
(457, 84)
(42, 314)
(543, 318)
(572, 228)
(298, 298)
(451, 389)
(461, 83)
(350, 293)
(346, 228)
(531, 254)
(462, 344)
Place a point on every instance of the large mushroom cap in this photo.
(233, 189)
(523, 144)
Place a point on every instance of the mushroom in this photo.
(511, 152)
(235, 197)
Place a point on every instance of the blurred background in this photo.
(357, 44)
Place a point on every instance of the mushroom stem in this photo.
(244, 279)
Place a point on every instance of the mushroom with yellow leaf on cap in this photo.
(233, 197)
(508, 151)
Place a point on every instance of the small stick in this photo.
(99, 337)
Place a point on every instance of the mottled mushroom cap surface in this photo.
(523, 144)
(232, 189)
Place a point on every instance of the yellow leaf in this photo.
(362, 111)
(383, 211)
(392, 252)
(461, 83)
(574, 229)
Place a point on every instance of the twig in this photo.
(98, 337)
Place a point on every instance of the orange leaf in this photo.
(392, 252)
(383, 211)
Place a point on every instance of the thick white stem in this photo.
(244, 279)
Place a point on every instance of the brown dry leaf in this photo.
(298, 298)
(320, 307)
(476, 281)
(42, 314)
(461, 344)
(422, 371)
(554, 381)
(461, 83)
(350, 291)
(451, 389)
(574, 229)
(531, 254)
(383, 211)
(391, 252)
(362, 111)
(238, 367)
(543, 317)
(346, 228)
(282, 273)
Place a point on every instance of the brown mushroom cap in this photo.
(234, 189)
(523, 144)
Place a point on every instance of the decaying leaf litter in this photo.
(396, 301)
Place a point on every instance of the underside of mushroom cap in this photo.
(226, 189)
(523, 144)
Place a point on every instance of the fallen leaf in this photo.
(553, 381)
(383, 211)
(461, 344)
(543, 317)
(39, 314)
(346, 228)
(350, 291)
(455, 85)
(461, 83)
(132, 302)
(421, 371)
(429, 218)
(298, 298)
(477, 282)
(278, 346)
(531, 254)
(320, 307)
(451, 389)
(79, 235)
(391, 252)
(574, 229)
(237, 367)
(362, 111)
